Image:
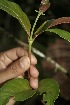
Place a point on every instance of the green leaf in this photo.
(62, 33)
(24, 95)
(43, 27)
(50, 90)
(19, 88)
(14, 10)
(4, 97)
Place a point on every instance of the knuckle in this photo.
(14, 69)
(2, 61)
(2, 58)
(19, 48)
(5, 59)
(2, 65)
(21, 52)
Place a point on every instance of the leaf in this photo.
(50, 23)
(60, 21)
(24, 95)
(18, 88)
(43, 27)
(50, 90)
(4, 97)
(14, 10)
(62, 33)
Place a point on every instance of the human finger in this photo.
(34, 82)
(11, 101)
(15, 69)
(34, 72)
(9, 56)
(34, 77)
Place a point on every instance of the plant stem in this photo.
(30, 47)
(43, 102)
(31, 39)
(39, 14)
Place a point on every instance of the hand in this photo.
(14, 63)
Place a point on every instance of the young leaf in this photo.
(60, 21)
(50, 90)
(18, 88)
(43, 27)
(14, 10)
(62, 33)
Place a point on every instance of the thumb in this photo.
(15, 69)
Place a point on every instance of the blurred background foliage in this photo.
(48, 43)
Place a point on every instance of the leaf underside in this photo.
(62, 33)
(59, 21)
(14, 10)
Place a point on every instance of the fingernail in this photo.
(25, 62)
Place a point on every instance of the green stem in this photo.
(30, 39)
(30, 46)
(39, 14)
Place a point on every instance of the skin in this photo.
(14, 63)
